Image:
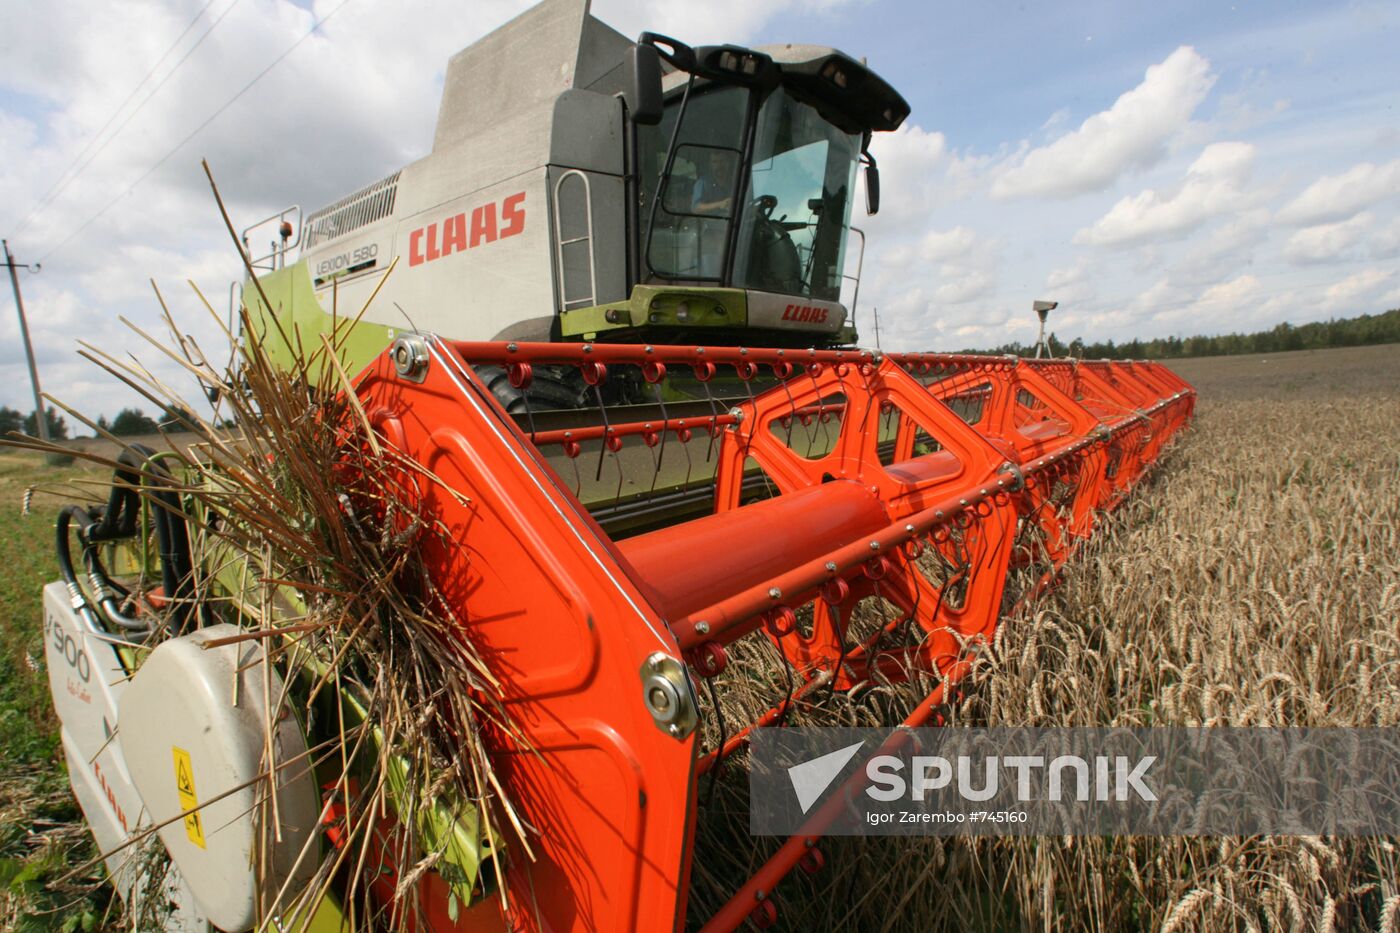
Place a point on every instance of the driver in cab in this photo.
(712, 194)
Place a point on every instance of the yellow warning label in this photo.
(184, 786)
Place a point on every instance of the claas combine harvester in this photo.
(616, 340)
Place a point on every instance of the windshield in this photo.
(793, 230)
(792, 214)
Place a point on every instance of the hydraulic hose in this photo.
(109, 594)
(77, 598)
(119, 520)
(140, 465)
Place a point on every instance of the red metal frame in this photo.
(937, 476)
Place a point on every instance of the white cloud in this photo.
(1226, 249)
(1385, 242)
(1231, 293)
(945, 245)
(1214, 184)
(956, 266)
(1071, 285)
(1132, 134)
(1233, 301)
(921, 176)
(1337, 197)
(702, 23)
(1358, 293)
(1327, 242)
(962, 285)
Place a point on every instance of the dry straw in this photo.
(310, 531)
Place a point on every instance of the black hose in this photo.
(172, 532)
(77, 598)
(118, 520)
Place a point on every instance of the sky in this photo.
(1157, 168)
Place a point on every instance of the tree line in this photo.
(1343, 332)
(129, 422)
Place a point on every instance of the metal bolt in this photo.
(702, 628)
(831, 566)
(410, 356)
(512, 347)
(760, 894)
(775, 593)
(874, 545)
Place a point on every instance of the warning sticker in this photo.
(184, 786)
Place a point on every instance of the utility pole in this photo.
(877, 328)
(41, 416)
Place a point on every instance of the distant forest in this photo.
(1347, 332)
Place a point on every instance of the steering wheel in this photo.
(765, 204)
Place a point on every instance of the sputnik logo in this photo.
(810, 779)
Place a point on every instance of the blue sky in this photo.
(1159, 168)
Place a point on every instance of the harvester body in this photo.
(582, 186)
(614, 552)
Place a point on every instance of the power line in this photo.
(83, 157)
(195, 132)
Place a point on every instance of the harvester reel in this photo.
(868, 519)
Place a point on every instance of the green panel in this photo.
(660, 306)
(296, 319)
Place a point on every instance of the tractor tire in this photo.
(551, 389)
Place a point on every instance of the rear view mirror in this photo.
(872, 188)
(643, 94)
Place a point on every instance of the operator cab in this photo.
(746, 181)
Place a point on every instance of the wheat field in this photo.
(1252, 580)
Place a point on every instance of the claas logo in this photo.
(461, 232)
(806, 313)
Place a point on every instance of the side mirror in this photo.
(872, 187)
(643, 94)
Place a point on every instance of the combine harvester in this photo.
(659, 453)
